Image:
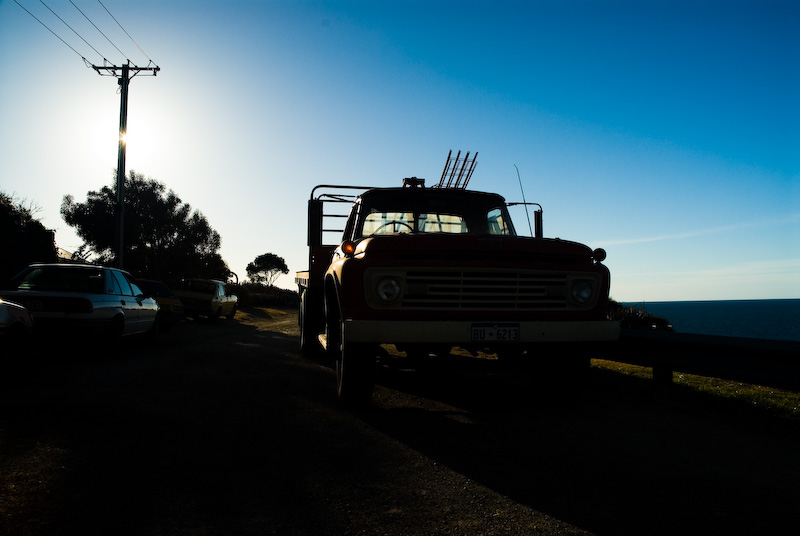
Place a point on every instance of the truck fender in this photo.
(332, 293)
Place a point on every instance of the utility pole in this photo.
(123, 79)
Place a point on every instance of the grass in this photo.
(778, 402)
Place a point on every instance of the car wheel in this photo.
(116, 329)
(155, 331)
(232, 314)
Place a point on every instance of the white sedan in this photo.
(83, 297)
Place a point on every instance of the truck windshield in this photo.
(386, 223)
(377, 222)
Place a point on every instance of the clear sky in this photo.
(666, 132)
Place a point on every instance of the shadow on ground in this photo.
(614, 455)
(222, 428)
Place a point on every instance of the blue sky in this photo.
(667, 133)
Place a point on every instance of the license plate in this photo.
(495, 332)
(33, 305)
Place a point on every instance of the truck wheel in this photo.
(309, 346)
(355, 375)
(560, 374)
(355, 365)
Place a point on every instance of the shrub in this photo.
(636, 317)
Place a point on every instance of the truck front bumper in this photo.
(464, 332)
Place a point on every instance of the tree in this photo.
(163, 237)
(266, 268)
(23, 238)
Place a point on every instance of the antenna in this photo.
(457, 171)
(524, 202)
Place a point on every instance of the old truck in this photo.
(427, 269)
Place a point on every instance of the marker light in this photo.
(348, 248)
(599, 255)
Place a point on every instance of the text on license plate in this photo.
(495, 332)
(33, 305)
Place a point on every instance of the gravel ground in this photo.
(223, 429)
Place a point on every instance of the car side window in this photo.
(135, 288)
(123, 283)
(112, 286)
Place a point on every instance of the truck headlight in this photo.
(581, 291)
(388, 289)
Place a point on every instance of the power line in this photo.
(98, 29)
(54, 33)
(123, 72)
(73, 30)
(85, 61)
(126, 33)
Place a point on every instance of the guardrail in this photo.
(762, 362)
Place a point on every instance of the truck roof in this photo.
(435, 195)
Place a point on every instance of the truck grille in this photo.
(497, 290)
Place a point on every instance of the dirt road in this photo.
(223, 429)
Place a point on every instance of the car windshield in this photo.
(204, 287)
(154, 288)
(62, 279)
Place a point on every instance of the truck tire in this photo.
(355, 375)
(355, 364)
(309, 346)
(560, 373)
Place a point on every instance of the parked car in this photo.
(85, 298)
(171, 306)
(16, 321)
(206, 297)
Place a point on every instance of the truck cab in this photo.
(428, 269)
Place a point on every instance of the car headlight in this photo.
(582, 291)
(388, 289)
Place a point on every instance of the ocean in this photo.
(758, 319)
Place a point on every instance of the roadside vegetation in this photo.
(260, 295)
(636, 317)
(23, 238)
(779, 402)
(165, 239)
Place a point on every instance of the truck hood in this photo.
(475, 249)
